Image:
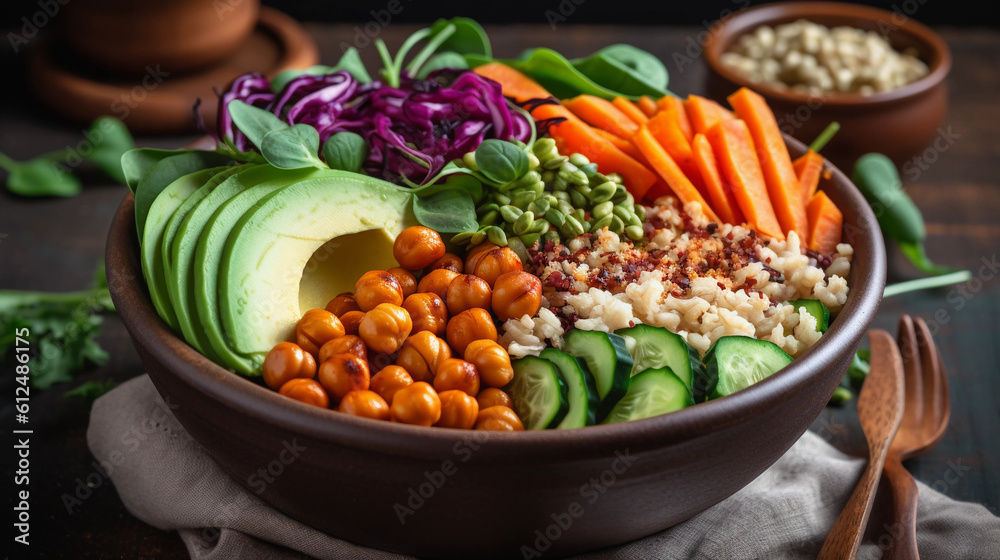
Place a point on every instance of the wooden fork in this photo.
(925, 418)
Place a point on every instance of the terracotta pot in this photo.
(182, 35)
(899, 123)
(436, 492)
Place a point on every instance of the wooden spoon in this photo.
(880, 410)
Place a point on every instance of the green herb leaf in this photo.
(136, 162)
(458, 180)
(441, 61)
(915, 252)
(926, 283)
(626, 69)
(500, 161)
(292, 148)
(255, 122)
(111, 141)
(450, 211)
(350, 61)
(345, 150)
(469, 37)
(89, 391)
(41, 177)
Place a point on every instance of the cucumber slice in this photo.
(539, 394)
(656, 347)
(607, 359)
(737, 362)
(815, 308)
(651, 393)
(581, 388)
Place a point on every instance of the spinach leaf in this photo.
(457, 180)
(626, 69)
(136, 162)
(39, 177)
(111, 140)
(468, 38)
(450, 211)
(254, 121)
(500, 161)
(292, 148)
(345, 150)
(441, 61)
(350, 61)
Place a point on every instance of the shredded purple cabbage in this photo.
(412, 131)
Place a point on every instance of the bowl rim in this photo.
(245, 397)
(723, 32)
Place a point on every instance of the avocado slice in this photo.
(266, 253)
(160, 212)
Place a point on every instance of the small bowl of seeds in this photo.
(880, 74)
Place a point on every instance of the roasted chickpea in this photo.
(287, 361)
(351, 321)
(473, 255)
(517, 294)
(367, 404)
(437, 282)
(491, 360)
(344, 373)
(350, 343)
(417, 246)
(407, 281)
(457, 374)
(471, 324)
(491, 396)
(467, 291)
(449, 261)
(389, 380)
(316, 328)
(458, 410)
(375, 287)
(499, 419)
(385, 328)
(305, 390)
(417, 404)
(342, 304)
(422, 354)
(489, 265)
(428, 313)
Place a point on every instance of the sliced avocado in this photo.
(268, 249)
(166, 171)
(160, 212)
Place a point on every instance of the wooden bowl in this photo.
(899, 123)
(435, 492)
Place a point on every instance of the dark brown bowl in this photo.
(438, 492)
(899, 123)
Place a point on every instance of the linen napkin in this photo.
(169, 482)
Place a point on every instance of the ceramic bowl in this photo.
(435, 492)
(899, 123)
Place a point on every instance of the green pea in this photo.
(565, 207)
(462, 238)
(524, 222)
(552, 235)
(579, 160)
(510, 213)
(517, 245)
(634, 232)
(579, 214)
(488, 207)
(469, 159)
(577, 198)
(523, 198)
(497, 236)
(560, 196)
(538, 188)
(601, 224)
(528, 179)
(590, 170)
(548, 176)
(501, 199)
(490, 218)
(617, 225)
(633, 220)
(552, 199)
(529, 239)
(640, 211)
(620, 194)
(559, 184)
(602, 193)
(543, 145)
(555, 217)
(540, 206)
(539, 226)
(623, 213)
(554, 163)
(573, 227)
(533, 162)
(576, 177)
(478, 237)
(616, 178)
(602, 209)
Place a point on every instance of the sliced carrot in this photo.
(675, 107)
(647, 105)
(779, 175)
(719, 193)
(621, 143)
(734, 151)
(667, 132)
(631, 109)
(572, 135)
(668, 169)
(826, 224)
(807, 169)
(601, 113)
(704, 113)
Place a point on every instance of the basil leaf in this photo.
(111, 140)
(40, 177)
(450, 211)
(345, 150)
(255, 122)
(441, 61)
(294, 147)
(468, 38)
(501, 162)
(625, 69)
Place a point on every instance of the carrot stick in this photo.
(704, 113)
(631, 109)
(779, 175)
(665, 165)
(826, 224)
(658, 189)
(647, 105)
(719, 193)
(669, 135)
(807, 169)
(734, 150)
(675, 107)
(514, 83)
(601, 113)
(621, 143)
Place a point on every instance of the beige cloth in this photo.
(168, 481)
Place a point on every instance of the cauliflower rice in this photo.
(698, 279)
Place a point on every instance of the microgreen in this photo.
(345, 150)
(294, 147)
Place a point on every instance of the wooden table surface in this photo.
(54, 245)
